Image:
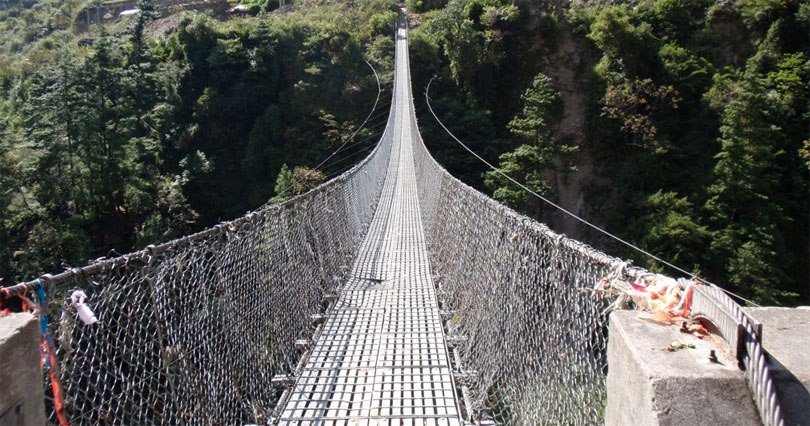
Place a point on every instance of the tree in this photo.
(147, 12)
(743, 207)
(539, 154)
(636, 104)
(628, 45)
(424, 5)
(306, 179)
(109, 144)
(669, 228)
(526, 164)
(542, 105)
(471, 34)
(689, 73)
(140, 66)
(284, 185)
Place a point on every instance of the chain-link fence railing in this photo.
(529, 336)
(193, 331)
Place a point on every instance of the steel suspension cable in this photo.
(566, 211)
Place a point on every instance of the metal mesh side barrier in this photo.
(194, 330)
(529, 337)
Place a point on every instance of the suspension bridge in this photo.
(392, 294)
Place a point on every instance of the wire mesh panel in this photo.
(529, 338)
(194, 330)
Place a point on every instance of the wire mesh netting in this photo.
(527, 335)
(194, 330)
(529, 338)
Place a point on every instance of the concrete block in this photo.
(648, 384)
(786, 338)
(21, 387)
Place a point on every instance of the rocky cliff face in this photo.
(567, 67)
(567, 64)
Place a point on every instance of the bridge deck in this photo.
(381, 357)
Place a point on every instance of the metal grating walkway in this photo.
(381, 357)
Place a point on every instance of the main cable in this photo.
(350, 138)
(374, 108)
(562, 209)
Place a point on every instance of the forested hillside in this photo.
(680, 125)
(122, 136)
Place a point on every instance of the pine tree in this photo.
(539, 152)
(741, 205)
(284, 185)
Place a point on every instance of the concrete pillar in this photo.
(653, 382)
(786, 339)
(21, 384)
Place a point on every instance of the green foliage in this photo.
(755, 11)
(477, 50)
(628, 44)
(383, 23)
(669, 228)
(274, 89)
(424, 5)
(743, 204)
(690, 73)
(699, 87)
(284, 185)
(542, 105)
(134, 139)
(636, 104)
(580, 17)
(788, 80)
(95, 127)
(526, 164)
(677, 20)
(539, 154)
(697, 128)
(378, 54)
(473, 125)
(697, 121)
(471, 36)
